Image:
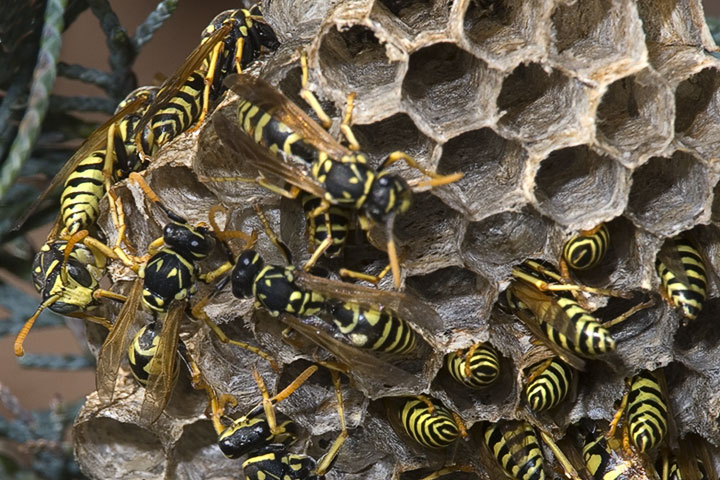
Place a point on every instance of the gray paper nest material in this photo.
(557, 125)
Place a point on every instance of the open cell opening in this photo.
(632, 119)
(419, 15)
(575, 186)
(697, 106)
(669, 195)
(444, 86)
(354, 60)
(501, 28)
(538, 104)
(595, 34)
(503, 240)
(492, 170)
(380, 139)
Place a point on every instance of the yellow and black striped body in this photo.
(516, 448)
(127, 158)
(141, 354)
(603, 462)
(590, 337)
(432, 430)
(276, 463)
(252, 434)
(668, 468)
(83, 270)
(273, 287)
(549, 387)
(687, 296)
(484, 366)
(582, 252)
(646, 412)
(80, 198)
(179, 114)
(317, 226)
(379, 330)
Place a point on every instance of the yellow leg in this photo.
(468, 358)
(460, 424)
(218, 272)
(562, 285)
(91, 318)
(268, 402)
(239, 47)
(20, 339)
(217, 404)
(394, 261)
(428, 402)
(618, 415)
(564, 462)
(308, 96)
(374, 279)
(628, 314)
(282, 248)
(347, 120)
(327, 460)
(436, 179)
(209, 78)
(539, 370)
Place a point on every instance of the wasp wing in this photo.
(172, 85)
(163, 372)
(246, 149)
(670, 256)
(96, 141)
(406, 306)
(266, 98)
(361, 363)
(115, 346)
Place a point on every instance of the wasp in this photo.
(476, 368)
(310, 160)
(548, 384)
(682, 274)
(587, 249)
(165, 281)
(515, 446)
(233, 40)
(68, 287)
(428, 422)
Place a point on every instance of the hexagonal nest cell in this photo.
(559, 116)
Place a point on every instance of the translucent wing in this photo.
(670, 256)
(172, 85)
(96, 141)
(360, 362)
(406, 306)
(264, 96)
(115, 346)
(261, 158)
(163, 372)
(543, 307)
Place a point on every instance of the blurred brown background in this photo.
(84, 43)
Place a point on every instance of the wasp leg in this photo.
(209, 78)
(560, 457)
(460, 424)
(618, 415)
(428, 402)
(20, 339)
(621, 318)
(217, 404)
(374, 279)
(347, 120)
(308, 96)
(91, 318)
(284, 250)
(448, 470)
(218, 272)
(536, 373)
(468, 358)
(199, 312)
(436, 179)
(562, 285)
(329, 458)
(239, 47)
(268, 402)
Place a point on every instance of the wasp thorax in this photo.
(389, 195)
(248, 264)
(188, 241)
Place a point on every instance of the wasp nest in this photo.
(560, 114)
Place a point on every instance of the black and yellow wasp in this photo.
(279, 139)
(476, 367)
(165, 281)
(68, 286)
(587, 249)
(548, 383)
(683, 278)
(233, 40)
(515, 446)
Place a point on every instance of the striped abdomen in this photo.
(589, 338)
(646, 412)
(436, 430)
(84, 188)
(484, 366)
(317, 227)
(275, 289)
(516, 448)
(180, 112)
(689, 297)
(602, 462)
(274, 134)
(585, 251)
(380, 330)
(550, 386)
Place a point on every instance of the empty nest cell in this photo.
(576, 186)
(419, 15)
(697, 106)
(634, 117)
(542, 107)
(673, 22)
(669, 195)
(446, 89)
(504, 32)
(492, 170)
(599, 39)
(353, 60)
